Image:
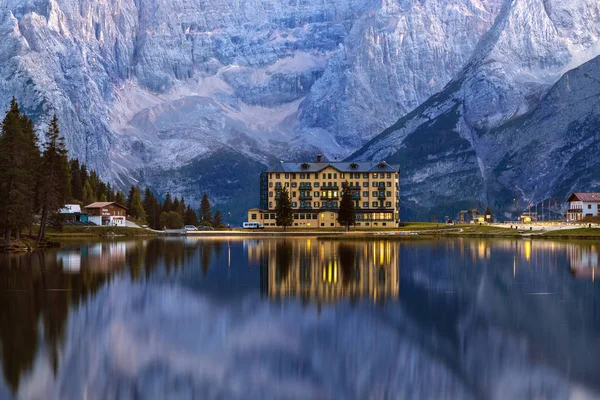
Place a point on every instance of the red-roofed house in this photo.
(106, 213)
(582, 205)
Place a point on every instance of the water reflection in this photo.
(324, 271)
(474, 311)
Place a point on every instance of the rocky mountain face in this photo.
(508, 126)
(150, 89)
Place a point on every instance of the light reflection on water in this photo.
(488, 317)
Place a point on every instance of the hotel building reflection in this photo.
(583, 260)
(327, 271)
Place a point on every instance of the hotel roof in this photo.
(102, 204)
(380, 166)
(585, 197)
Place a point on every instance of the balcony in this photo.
(330, 197)
(305, 186)
(330, 187)
(305, 197)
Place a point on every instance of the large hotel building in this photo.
(315, 193)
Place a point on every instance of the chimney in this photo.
(319, 157)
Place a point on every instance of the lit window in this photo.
(322, 216)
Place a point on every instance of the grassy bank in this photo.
(581, 233)
(97, 231)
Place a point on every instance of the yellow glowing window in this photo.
(322, 216)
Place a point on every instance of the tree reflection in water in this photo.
(472, 284)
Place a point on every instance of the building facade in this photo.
(582, 205)
(106, 213)
(315, 191)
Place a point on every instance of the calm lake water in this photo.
(301, 319)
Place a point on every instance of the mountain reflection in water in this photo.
(301, 318)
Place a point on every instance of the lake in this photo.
(301, 318)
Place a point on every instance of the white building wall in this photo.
(590, 209)
(95, 220)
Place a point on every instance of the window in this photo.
(589, 206)
(317, 204)
(389, 184)
(270, 194)
(317, 194)
(287, 176)
(334, 176)
(294, 204)
(375, 175)
(328, 176)
(388, 203)
(253, 216)
(316, 184)
(374, 204)
(295, 216)
(301, 176)
(365, 184)
(277, 176)
(342, 176)
(287, 184)
(382, 175)
(266, 216)
(273, 216)
(365, 204)
(365, 194)
(366, 176)
(301, 216)
(389, 194)
(324, 176)
(270, 204)
(270, 184)
(389, 175)
(294, 184)
(316, 175)
(374, 184)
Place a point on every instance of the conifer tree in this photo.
(76, 182)
(19, 162)
(176, 205)
(218, 219)
(120, 198)
(190, 217)
(205, 211)
(54, 185)
(130, 198)
(168, 204)
(137, 207)
(284, 216)
(152, 209)
(87, 193)
(181, 208)
(347, 211)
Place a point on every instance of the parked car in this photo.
(190, 228)
(253, 225)
(205, 228)
(145, 226)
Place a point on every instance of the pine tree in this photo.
(54, 186)
(168, 204)
(130, 197)
(284, 216)
(120, 198)
(152, 209)
(176, 205)
(181, 208)
(19, 162)
(218, 219)
(205, 211)
(87, 193)
(76, 182)
(347, 212)
(137, 207)
(190, 217)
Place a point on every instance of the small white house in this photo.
(582, 205)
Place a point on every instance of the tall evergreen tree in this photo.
(218, 219)
(19, 162)
(284, 216)
(168, 204)
(181, 208)
(54, 185)
(120, 198)
(205, 211)
(176, 205)
(190, 217)
(152, 209)
(137, 208)
(76, 182)
(347, 212)
(130, 197)
(87, 193)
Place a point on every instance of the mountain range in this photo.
(479, 101)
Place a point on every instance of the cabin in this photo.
(528, 217)
(106, 213)
(582, 205)
(72, 214)
(470, 216)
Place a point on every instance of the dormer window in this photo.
(304, 166)
(354, 165)
(381, 165)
